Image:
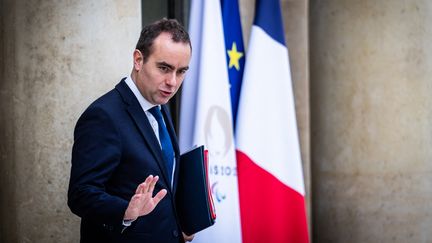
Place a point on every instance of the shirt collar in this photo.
(145, 104)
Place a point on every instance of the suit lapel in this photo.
(139, 117)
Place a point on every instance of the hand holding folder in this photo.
(193, 197)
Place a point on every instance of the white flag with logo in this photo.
(206, 118)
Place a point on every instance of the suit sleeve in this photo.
(95, 155)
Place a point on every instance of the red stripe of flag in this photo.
(270, 210)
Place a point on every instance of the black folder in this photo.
(193, 196)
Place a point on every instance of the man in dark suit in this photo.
(125, 154)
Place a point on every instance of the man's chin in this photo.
(162, 101)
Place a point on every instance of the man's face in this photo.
(160, 77)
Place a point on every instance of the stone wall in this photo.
(371, 120)
(56, 57)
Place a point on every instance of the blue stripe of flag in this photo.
(233, 34)
(268, 16)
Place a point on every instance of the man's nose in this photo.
(172, 79)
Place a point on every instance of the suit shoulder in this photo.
(110, 102)
(107, 100)
(108, 106)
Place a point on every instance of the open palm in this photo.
(143, 202)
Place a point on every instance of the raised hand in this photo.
(143, 202)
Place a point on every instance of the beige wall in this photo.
(371, 116)
(56, 57)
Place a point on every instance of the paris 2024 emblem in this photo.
(219, 142)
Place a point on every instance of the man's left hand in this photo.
(187, 237)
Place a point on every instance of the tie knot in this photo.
(155, 111)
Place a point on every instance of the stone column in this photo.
(56, 57)
(371, 116)
(296, 23)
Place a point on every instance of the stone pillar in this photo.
(56, 57)
(371, 116)
(296, 24)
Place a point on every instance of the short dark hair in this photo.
(150, 32)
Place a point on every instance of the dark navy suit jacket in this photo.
(114, 150)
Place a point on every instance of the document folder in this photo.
(193, 196)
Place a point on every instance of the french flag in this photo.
(271, 187)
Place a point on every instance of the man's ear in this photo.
(137, 60)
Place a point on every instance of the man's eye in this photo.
(163, 68)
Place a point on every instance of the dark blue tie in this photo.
(165, 140)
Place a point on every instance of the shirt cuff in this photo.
(127, 222)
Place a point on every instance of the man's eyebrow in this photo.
(165, 64)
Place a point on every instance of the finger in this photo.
(188, 237)
(152, 184)
(159, 196)
(148, 181)
(143, 187)
(140, 188)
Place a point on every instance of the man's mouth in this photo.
(166, 93)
